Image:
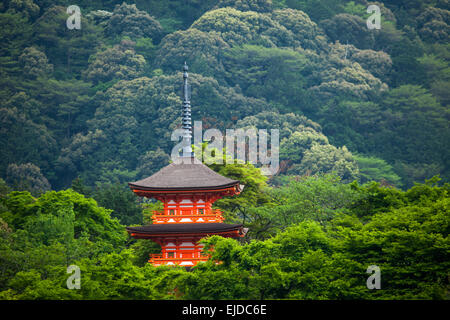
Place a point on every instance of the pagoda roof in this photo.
(184, 228)
(192, 175)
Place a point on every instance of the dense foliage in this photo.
(314, 238)
(93, 103)
(363, 118)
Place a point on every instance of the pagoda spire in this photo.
(186, 115)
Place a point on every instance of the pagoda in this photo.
(187, 189)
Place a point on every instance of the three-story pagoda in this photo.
(187, 190)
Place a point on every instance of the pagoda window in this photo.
(172, 212)
(201, 211)
(170, 255)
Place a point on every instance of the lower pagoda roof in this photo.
(184, 228)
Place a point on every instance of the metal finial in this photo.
(186, 114)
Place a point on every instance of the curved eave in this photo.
(137, 188)
(186, 229)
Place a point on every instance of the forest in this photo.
(363, 116)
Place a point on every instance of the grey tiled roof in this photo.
(185, 228)
(184, 176)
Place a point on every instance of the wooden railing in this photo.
(162, 217)
(157, 259)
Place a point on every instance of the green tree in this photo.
(317, 9)
(286, 123)
(316, 198)
(341, 78)
(68, 50)
(419, 125)
(433, 24)
(293, 148)
(26, 7)
(241, 208)
(89, 218)
(27, 177)
(128, 20)
(348, 29)
(35, 63)
(379, 63)
(151, 162)
(306, 31)
(328, 159)
(247, 5)
(376, 169)
(121, 200)
(116, 63)
(201, 50)
(237, 28)
(24, 140)
(273, 73)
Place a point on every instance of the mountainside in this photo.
(95, 102)
(364, 132)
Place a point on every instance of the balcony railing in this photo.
(162, 217)
(157, 259)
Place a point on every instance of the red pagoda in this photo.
(187, 190)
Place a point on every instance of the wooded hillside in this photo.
(364, 128)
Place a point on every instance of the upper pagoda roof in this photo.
(184, 176)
